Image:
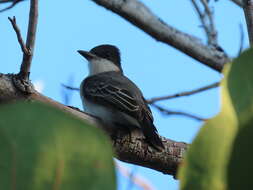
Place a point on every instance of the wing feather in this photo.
(118, 91)
(113, 91)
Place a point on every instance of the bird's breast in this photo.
(109, 116)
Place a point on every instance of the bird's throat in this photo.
(100, 66)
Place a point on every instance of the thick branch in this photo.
(139, 15)
(137, 151)
(133, 150)
(248, 12)
(30, 40)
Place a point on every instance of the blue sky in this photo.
(158, 69)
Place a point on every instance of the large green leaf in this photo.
(206, 164)
(240, 83)
(44, 148)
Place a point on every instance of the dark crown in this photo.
(109, 52)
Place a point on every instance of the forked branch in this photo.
(30, 40)
(139, 15)
(207, 21)
(20, 39)
(27, 48)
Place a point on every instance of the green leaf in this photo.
(240, 83)
(206, 163)
(44, 148)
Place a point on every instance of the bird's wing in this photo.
(118, 92)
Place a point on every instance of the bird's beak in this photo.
(86, 54)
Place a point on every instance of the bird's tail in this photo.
(151, 135)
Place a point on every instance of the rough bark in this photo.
(139, 15)
(131, 149)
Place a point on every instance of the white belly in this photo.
(109, 116)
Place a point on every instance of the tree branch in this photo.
(212, 35)
(20, 40)
(181, 94)
(201, 16)
(14, 2)
(169, 112)
(164, 110)
(30, 40)
(70, 87)
(134, 179)
(207, 21)
(248, 12)
(139, 15)
(133, 150)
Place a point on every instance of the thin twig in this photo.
(15, 2)
(241, 40)
(248, 12)
(30, 40)
(70, 87)
(131, 178)
(213, 33)
(20, 40)
(137, 180)
(181, 94)
(201, 16)
(166, 111)
(207, 21)
(66, 92)
(169, 112)
(141, 16)
(6, 1)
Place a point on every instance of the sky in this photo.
(157, 68)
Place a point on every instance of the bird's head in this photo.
(103, 58)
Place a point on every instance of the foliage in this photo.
(44, 148)
(221, 154)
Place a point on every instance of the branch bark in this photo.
(19, 36)
(139, 15)
(30, 40)
(133, 150)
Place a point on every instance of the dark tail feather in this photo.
(151, 135)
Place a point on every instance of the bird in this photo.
(108, 94)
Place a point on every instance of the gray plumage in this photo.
(108, 94)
